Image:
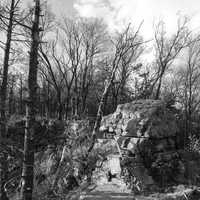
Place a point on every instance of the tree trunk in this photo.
(105, 104)
(28, 161)
(59, 169)
(11, 104)
(60, 106)
(100, 109)
(76, 96)
(3, 156)
(84, 100)
(190, 104)
(185, 139)
(21, 97)
(158, 89)
(48, 110)
(67, 105)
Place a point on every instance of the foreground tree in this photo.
(8, 24)
(28, 161)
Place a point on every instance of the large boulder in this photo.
(146, 131)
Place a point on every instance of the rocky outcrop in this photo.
(179, 192)
(146, 131)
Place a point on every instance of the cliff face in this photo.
(146, 131)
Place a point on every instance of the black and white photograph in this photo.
(99, 100)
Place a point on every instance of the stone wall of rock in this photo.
(146, 131)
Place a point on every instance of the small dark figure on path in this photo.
(109, 176)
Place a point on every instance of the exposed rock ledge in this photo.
(146, 131)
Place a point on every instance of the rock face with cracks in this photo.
(146, 131)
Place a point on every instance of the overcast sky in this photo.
(117, 13)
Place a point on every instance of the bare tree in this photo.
(124, 44)
(168, 48)
(8, 23)
(126, 69)
(72, 40)
(50, 70)
(28, 161)
(94, 37)
(188, 85)
(62, 59)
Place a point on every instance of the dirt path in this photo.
(104, 190)
(115, 190)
